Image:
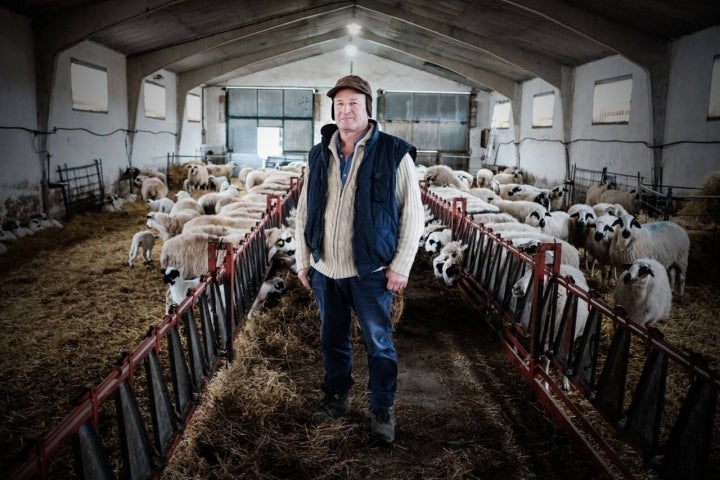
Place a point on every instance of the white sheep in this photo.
(168, 225)
(592, 196)
(151, 188)
(597, 245)
(446, 264)
(217, 182)
(483, 178)
(186, 205)
(7, 235)
(17, 229)
(665, 241)
(437, 240)
(614, 209)
(630, 201)
(269, 288)
(557, 224)
(465, 177)
(163, 205)
(433, 226)
(133, 172)
(519, 209)
(582, 217)
(483, 193)
(208, 201)
(503, 178)
(48, 222)
(227, 225)
(528, 242)
(644, 292)
(144, 239)
(559, 198)
(177, 286)
(442, 175)
(197, 177)
(280, 244)
(188, 252)
(575, 276)
(489, 218)
(224, 170)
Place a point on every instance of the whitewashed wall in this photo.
(21, 168)
(155, 137)
(687, 164)
(588, 149)
(191, 138)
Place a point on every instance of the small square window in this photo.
(194, 108)
(154, 96)
(714, 102)
(611, 101)
(542, 113)
(501, 115)
(89, 84)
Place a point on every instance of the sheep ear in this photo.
(635, 222)
(575, 215)
(618, 222)
(547, 214)
(646, 270)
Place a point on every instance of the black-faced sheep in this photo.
(644, 292)
(177, 286)
(3, 249)
(666, 242)
(144, 239)
(557, 224)
(280, 243)
(582, 217)
(447, 263)
(269, 289)
(597, 245)
(520, 209)
(437, 240)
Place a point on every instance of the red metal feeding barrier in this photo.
(156, 386)
(531, 331)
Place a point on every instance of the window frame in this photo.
(535, 118)
(148, 111)
(193, 119)
(79, 93)
(602, 109)
(504, 124)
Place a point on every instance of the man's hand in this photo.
(304, 278)
(395, 281)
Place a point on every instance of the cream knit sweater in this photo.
(337, 259)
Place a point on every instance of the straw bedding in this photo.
(69, 306)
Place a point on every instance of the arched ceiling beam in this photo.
(651, 53)
(535, 63)
(140, 66)
(501, 84)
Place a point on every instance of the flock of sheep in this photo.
(14, 229)
(212, 205)
(605, 231)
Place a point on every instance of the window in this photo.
(89, 85)
(714, 103)
(542, 113)
(194, 108)
(501, 115)
(611, 101)
(154, 96)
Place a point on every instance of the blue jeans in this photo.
(371, 300)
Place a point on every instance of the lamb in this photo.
(146, 240)
(483, 178)
(520, 289)
(177, 286)
(272, 287)
(163, 205)
(197, 177)
(225, 170)
(280, 243)
(152, 188)
(431, 227)
(645, 292)
(519, 209)
(436, 240)
(557, 224)
(630, 201)
(218, 181)
(48, 222)
(186, 205)
(665, 241)
(442, 175)
(209, 201)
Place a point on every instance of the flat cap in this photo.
(351, 81)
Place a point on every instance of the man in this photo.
(359, 219)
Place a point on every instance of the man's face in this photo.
(350, 110)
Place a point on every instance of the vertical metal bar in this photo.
(610, 392)
(90, 459)
(139, 460)
(164, 416)
(586, 362)
(180, 375)
(198, 368)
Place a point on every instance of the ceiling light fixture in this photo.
(354, 28)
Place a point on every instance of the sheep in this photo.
(526, 176)
(197, 177)
(520, 289)
(208, 201)
(466, 178)
(7, 235)
(224, 170)
(645, 292)
(483, 178)
(48, 222)
(483, 193)
(178, 286)
(431, 227)
(243, 173)
(559, 197)
(502, 178)
(163, 205)
(229, 224)
(592, 196)
(188, 252)
(146, 240)
(529, 193)
(272, 287)
(218, 181)
(152, 188)
(630, 201)
(186, 205)
(557, 224)
(665, 241)
(446, 264)
(436, 240)
(488, 218)
(520, 209)
(528, 241)
(597, 244)
(16, 229)
(168, 225)
(133, 172)
(582, 217)
(614, 209)
(280, 244)
(442, 175)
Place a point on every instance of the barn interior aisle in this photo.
(462, 412)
